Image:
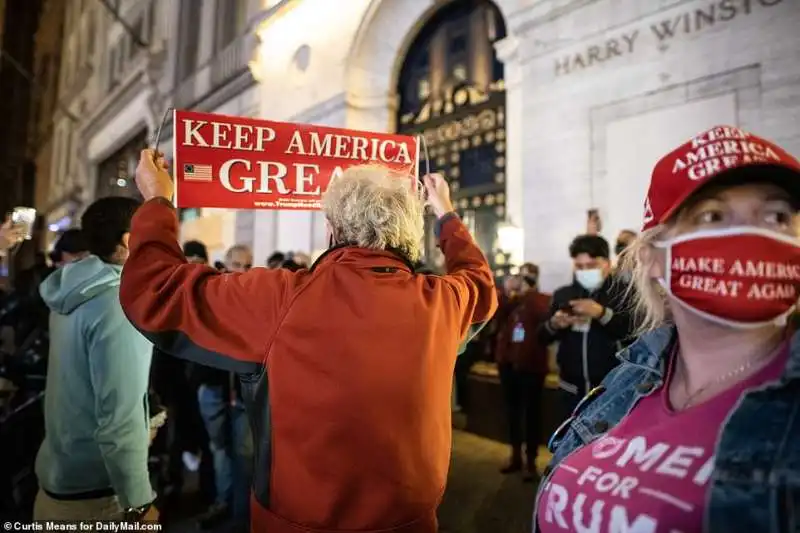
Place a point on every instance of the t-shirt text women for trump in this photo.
(245, 163)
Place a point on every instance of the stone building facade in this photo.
(592, 93)
(122, 70)
(210, 71)
(18, 24)
(536, 111)
(105, 94)
(44, 104)
(608, 88)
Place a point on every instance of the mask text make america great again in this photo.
(244, 163)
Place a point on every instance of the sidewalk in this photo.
(478, 498)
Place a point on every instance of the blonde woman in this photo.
(346, 366)
(699, 428)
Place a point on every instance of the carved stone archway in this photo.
(375, 58)
(387, 30)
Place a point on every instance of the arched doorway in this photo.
(451, 90)
(115, 174)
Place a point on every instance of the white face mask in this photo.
(591, 280)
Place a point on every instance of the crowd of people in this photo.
(589, 321)
(317, 396)
(206, 430)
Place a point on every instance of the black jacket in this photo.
(585, 357)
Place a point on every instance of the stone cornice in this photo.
(321, 110)
(357, 101)
(216, 98)
(549, 11)
(116, 100)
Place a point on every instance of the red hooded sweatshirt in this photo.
(346, 368)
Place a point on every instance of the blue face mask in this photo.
(591, 279)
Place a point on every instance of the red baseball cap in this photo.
(708, 156)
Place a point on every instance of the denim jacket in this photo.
(755, 487)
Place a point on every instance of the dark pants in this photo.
(184, 430)
(231, 448)
(568, 401)
(523, 398)
(463, 366)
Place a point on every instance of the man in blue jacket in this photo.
(93, 462)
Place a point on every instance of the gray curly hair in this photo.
(375, 207)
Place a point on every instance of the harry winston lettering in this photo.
(662, 32)
(596, 54)
(698, 19)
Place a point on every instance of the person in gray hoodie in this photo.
(92, 464)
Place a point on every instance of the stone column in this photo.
(265, 234)
(376, 113)
(508, 52)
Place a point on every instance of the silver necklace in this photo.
(721, 379)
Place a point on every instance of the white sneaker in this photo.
(191, 461)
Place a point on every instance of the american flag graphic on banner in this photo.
(197, 172)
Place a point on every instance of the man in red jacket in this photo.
(523, 365)
(346, 367)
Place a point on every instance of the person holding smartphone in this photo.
(589, 319)
(10, 234)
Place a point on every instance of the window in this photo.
(69, 62)
(122, 46)
(189, 39)
(50, 81)
(74, 56)
(41, 81)
(150, 23)
(56, 157)
(458, 44)
(137, 28)
(458, 49)
(66, 166)
(112, 68)
(477, 166)
(451, 39)
(80, 43)
(418, 87)
(90, 34)
(448, 91)
(232, 19)
(115, 174)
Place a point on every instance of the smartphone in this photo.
(594, 224)
(24, 217)
(566, 308)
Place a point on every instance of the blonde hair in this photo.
(375, 207)
(646, 296)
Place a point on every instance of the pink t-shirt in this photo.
(649, 474)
